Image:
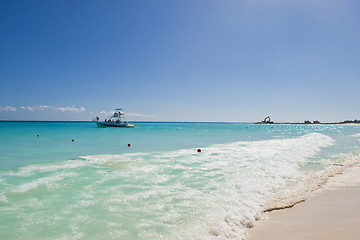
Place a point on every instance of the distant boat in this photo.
(116, 120)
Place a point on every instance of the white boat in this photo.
(116, 120)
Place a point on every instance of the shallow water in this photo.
(159, 188)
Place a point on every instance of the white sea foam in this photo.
(49, 182)
(350, 177)
(356, 135)
(226, 184)
(215, 194)
(3, 198)
(37, 168)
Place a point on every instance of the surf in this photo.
(217, 193)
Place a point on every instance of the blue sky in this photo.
(199, 60)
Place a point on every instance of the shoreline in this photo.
(330, 212)
(302, 123)
(143, 121)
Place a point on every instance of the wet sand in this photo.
(331, 213)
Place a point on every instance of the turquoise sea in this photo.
(161, 187)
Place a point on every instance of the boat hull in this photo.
(114, 124)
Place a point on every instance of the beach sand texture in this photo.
(330, 213)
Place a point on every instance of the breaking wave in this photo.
(182, 194)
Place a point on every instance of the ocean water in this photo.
(96, 187)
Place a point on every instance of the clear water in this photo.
(159, 188)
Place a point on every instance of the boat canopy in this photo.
(118, 114)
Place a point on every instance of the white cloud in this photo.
(45, 107)
(70, 109)
(27, 108)
(8, 108)
(140, 115)
(133, 115)
(107, 113)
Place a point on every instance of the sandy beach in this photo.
(333, 212)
